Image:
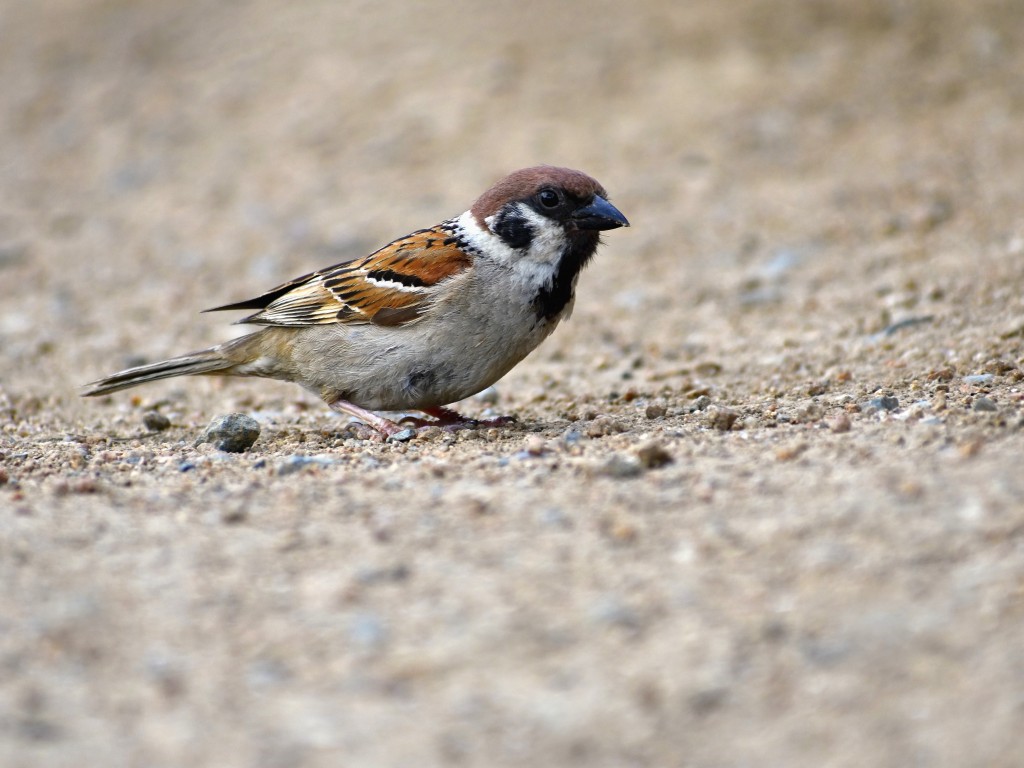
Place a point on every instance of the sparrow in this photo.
(429, 319)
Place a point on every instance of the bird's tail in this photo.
(210, 360)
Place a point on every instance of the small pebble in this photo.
(875, 404)
(555, 517)
(887, 403)
(653, 455)
(602, 426)
(709, 368)
(790, 452)
(536, 446)
(707, 700)
(488, 396)
(13, 253)
(721, 418)
(934, 213)
(1013, 328)
(655, 411)
(971, 448)
(621, 467)
(701, 403)
(840, 423)
(155, 421)
(572, 436)
(402, 437)
(381, 575)
(81, 486)
(985, 404)
(233, 433)
(809, 413)
(999, 367)
(234, 515)
(906, 323)
(477, 507)
(980, 378)
(621, 532)
(610, 611)
(293, 464)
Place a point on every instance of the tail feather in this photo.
(207, 361)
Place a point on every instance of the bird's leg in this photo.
(383, 426)
(445, 418)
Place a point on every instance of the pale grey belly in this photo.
(413, 367)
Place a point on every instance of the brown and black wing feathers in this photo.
(392, 286)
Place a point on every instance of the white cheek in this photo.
(534, 267)
(485, 241)
(548, 238)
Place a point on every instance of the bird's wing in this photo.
(392, 286)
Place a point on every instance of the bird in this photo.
(425, 321)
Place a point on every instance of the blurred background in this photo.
(158, 158)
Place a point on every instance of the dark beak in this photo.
(600, 214)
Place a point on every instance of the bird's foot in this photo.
(452, 421)
(376, 427)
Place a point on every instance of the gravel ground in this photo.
(764, 502)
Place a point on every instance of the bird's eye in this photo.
(549, 198)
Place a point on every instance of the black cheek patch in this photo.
(514, 230)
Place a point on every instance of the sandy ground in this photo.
(765, 501)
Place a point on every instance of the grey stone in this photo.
(155, 422)
(985, 404)
(233, 433)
